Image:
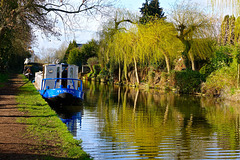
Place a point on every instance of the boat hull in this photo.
(62, 96)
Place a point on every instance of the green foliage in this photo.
(222, 57)
(189, 81)
(15, 33)
(151, 11)
(219, 80)
(71, 46)
(89, 50)
(75, 57)
(104, 73)
(12, 50)
(223, 80)
(80, 56)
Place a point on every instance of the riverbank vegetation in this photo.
(50, 133)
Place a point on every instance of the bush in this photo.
(75, 57)
(189, 81)
(224, 79)
(217, 83)
(223, 57)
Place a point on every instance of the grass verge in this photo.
(45, 127)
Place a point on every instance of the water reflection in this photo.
(123, 123)
(71, 116)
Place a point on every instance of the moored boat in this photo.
(59, 83)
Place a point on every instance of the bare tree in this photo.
(60, 52)
(36, 12)
(18, 17)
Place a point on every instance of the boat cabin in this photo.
(61, 71)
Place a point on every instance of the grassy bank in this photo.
(45, 126)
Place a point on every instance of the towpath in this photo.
(14, 143)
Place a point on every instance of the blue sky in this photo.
(88, 29)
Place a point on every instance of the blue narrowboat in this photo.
(59, 83)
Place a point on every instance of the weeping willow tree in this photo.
(204, 52)
(161, 41)
(155, 41)
(192, 24)
(124, 49)
(118, 50)
(120, 21)
(226, 5)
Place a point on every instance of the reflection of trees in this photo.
(154, 123)
(224, 118)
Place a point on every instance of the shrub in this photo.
(217, 83)
(223, 57)
(189, 81)
(75, 57)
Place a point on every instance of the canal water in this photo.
(123, 123)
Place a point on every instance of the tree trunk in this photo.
(192, 61)
(136, 71)
(185, 53)
(125, 72)
(167, 62)
(119, 70)
(238, 75)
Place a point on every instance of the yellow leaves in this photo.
(161, 36)
(154, 41)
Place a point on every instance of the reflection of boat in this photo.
(73, 123)
(71, 116)
(59, 83)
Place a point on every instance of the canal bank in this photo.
(30, 129)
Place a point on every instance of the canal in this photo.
(125, 123)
